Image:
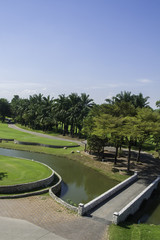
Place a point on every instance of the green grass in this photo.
(85, 160)
(134, 232)
(6, 132)
(17, 171)
(38, 149)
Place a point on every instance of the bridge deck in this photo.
(105, 210)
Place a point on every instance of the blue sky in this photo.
(100, 47)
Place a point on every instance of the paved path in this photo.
(42, 134)
(105, 211)
(40, 217)
(15, 229)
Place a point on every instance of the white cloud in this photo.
(27, 92)
(144, 80)
(105, 86)
(21, 88)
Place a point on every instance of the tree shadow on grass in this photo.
(3, 175)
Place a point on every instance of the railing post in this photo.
(115, 218)
(81, 209)
(136, 173)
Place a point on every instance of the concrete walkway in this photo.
(16, 229)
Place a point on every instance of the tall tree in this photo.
(129, 133)
(61, 108)
(4, 108)
(135, 100)
(74, 111)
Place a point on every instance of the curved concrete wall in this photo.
(25, 187)
(55, 189)
(28, 194)
(7, 139)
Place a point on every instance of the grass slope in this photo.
(17, 171)
(134, 232)
(6, 132)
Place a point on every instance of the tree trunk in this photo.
(56, 127)
(129, 158)
(64, 130)
(103, 152)
(139, 153)
(116, 154)
(85, 148)
(71, 129)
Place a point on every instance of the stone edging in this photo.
(84, 208)
(55, 189)
(24, 194)
(134, 205)
(25, 187)
(6, 139)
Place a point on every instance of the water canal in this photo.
(80, 183)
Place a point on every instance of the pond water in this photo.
(80, 183)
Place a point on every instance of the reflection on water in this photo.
(80, 183)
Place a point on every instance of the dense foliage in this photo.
(126, 119)
(64, 114)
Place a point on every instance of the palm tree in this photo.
(86, 105)
(46, 116)
(140, 101)
(61, 109)
(135, 100)
(74, 111)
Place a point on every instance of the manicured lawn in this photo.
(6, 132)
(17, 171)
(106, 169)
(134, 232)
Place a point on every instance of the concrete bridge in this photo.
(126, 200)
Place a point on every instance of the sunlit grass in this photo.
(134, 232)
(17, 171)
(9, 133)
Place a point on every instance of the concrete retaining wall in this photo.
(28, 194)
(55, 189)
(6, 139)
(43, 145)
(135, 204)
(82, 209)
(25, 187)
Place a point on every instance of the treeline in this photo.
(65, 113)
(124, 120)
